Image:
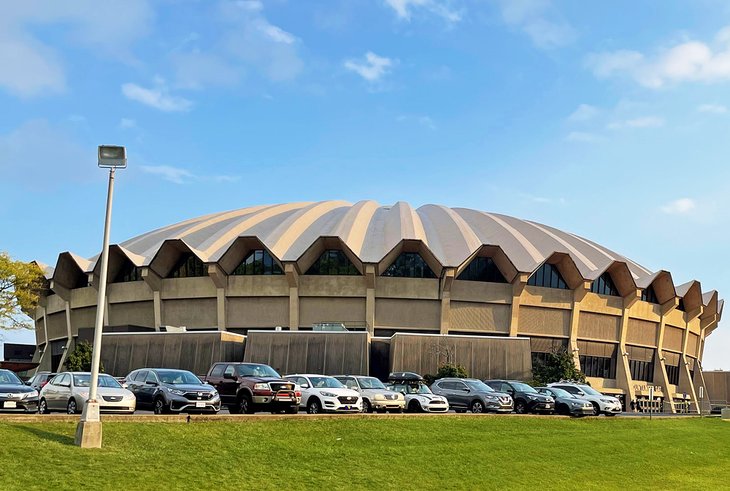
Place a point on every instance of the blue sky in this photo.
(610, 120)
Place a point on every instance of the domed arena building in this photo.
(395, 269)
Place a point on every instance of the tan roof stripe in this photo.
(567, 245)
(526, 244)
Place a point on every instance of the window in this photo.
(217, 370)
(258, 262)
(673, 374)
(604, 285)
(409, 265)
(230, 371)
(128, 272)
(333, 262)
(547, 276)
(681, 305)
(598, 366)
(151, 377)
(189, 267)
(642, 370)
(648, 295)
(482, 269)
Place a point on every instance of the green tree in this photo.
(558, 365)
(447, 370)
(20, 287)
(80, 358)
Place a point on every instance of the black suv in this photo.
(165, 390)
(527, 399)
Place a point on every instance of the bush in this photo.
(558, 365)
(447, 370)
(80, 358)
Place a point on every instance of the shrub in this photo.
(446, 370)
(80, 358)
(558, 365)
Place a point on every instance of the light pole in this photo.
(88, 431)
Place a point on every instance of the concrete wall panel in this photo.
(132, 314)
(415, 314)
(190, 312)
(473, 316)
(543, 321)
(257, 312)
(598, 326)
(325, 309)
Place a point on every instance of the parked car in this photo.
(375, 395)
(69, 391)
(321, 393)
(15, 396)
(40, 379)
(567, 403)
(527, 399)
(608, 405)
(166, 390)
(418, 396)
(473, 395)
(250, 387)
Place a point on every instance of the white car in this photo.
(418, 396)
(608, 405)
(68, 392)
(375, 395)
(321, 393)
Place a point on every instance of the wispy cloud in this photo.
(689, 61)
(158, 97)
(642, 122)
(372, 67)
(539, 21)
(179, 175)
(583, 137)
(404, 9)
(584, 112)
(681, 206)
(712, 108)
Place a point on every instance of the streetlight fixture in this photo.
(88, 431)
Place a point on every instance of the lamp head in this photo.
(112, 156)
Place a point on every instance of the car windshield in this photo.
(9, 378)
(412, 388)
(520, 387)
(479, 386)
(177, 377)
(84, 380)
(590, 390)
(255, 370)
(370, 383)
(560, 393)
(326, 383)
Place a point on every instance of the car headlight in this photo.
(379, 397)
(85, 395)
(575, 404)
(607, 401)
(491, 398)
(30, 395)
(261, 387)
(550, 399)
(327, 394)
(531, 397)
(129, 396)
(177, 392)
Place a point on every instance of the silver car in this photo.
(375, 395)
(68, 392)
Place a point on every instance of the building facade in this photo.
(391, 269)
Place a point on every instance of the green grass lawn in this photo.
(393, 453)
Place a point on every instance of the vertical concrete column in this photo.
(684, 368)
(154, 282)
(579, 293)
(292, 278)
(47, 345)
(660, 369)
(623, 375)
(445, 292)
(370, 297)
(68, 335)
(220, 281)
(518, 286)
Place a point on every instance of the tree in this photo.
(447, 370)
(558, 365)
(20, 287)
(80, 358)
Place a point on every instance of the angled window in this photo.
(189, 266)
(482, 269)
(604, 286)
(129, 272)
(333, 262)
(409, 265)
(681, 305)
(547, 276)
(648, 295)
(258, 262)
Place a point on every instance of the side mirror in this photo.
(125, 386)
(466, 389)
(581, 393)
(229, 376)
(152, 383)
(304, 386)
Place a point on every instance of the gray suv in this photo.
(473, 395)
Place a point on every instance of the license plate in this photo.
(347, 408)
(10, 405)
(199, 404)
(288, 399)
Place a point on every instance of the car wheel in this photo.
(233, 409)
(562, 409)
(160, 407)
(415, 407)
(71, 407)
(313, 406)
(520, 406)
(292, 410)
(245, 405)
(476, 407)
(366, 406)
(43, 407)
(596, 409)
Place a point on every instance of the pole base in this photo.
(88, 431)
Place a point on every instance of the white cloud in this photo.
(126, 123)
(197, 70)
(712, 108)
(372, 67)
(689, 61)
(29, 68)
(681, 206)
(642, 122)
(404, 9)
(584, 112)
(539, 21)
(583, 137)
(157, 97)
(179, 175)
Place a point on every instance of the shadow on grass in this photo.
(47, 435)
